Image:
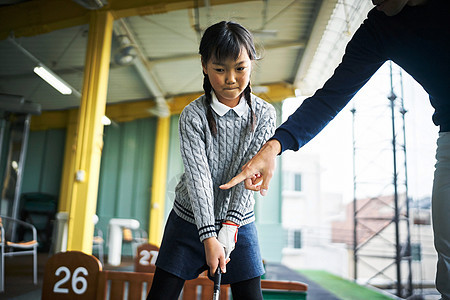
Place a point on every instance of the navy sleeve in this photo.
(363, 57)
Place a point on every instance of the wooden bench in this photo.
(75, 275)
(115, 285)
(278, 289)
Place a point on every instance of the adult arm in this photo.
(362, 58)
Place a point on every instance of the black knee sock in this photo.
(165, 286)
(247, 290)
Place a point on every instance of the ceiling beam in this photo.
(320, 24)
(37, 17)
(132, 110)
(130, 8)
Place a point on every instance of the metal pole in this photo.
(403, 111)
(355, 220)
(392, 98)
(21, 164)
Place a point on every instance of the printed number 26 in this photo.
(75, 280)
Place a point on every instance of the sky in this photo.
(373, 131)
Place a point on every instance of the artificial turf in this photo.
(342, 288)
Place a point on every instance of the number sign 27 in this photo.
(145, 259)
(148, 257)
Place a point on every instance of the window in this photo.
(294, 238)
(297, 239)
(292, 182)
(297, 182)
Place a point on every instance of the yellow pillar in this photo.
(159, 181)
(89, 136)
(67, 179)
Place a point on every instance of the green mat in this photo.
(342, 288)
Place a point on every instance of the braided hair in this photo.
(225, 40)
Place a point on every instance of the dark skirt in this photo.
(183, 255)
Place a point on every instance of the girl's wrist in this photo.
(209, 240)
(228, 222)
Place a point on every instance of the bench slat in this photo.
(135, 290)
(117, 290)
(284, 285)
(117, 281)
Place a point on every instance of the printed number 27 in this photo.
(145, 259)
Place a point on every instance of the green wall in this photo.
(41, 181)
(126, 173)
(44, 160)
(175, 165)
(272, 237)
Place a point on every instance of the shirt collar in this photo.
(221, 109)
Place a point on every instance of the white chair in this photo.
(98, 240)
(11, 230)
(135, 237)
(97, 244)
(123, 231)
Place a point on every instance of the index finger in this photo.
(235, 180)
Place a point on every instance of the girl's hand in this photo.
(215, 255)
(227, 237)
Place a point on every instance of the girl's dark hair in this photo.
(225, 40)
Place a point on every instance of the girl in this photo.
(219, 132)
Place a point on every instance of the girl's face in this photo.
(229, 78)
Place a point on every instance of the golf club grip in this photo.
(217, 278)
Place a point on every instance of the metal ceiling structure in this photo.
(154, 52)
(161, 38)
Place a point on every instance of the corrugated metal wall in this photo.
(126, 172)
(175, 165)
(272, 236)
(44, 159)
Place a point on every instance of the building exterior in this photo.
(320, 229)
(307, 216)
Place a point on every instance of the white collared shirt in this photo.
(221, 109)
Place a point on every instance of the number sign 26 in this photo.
(71, 275)
(76, 279)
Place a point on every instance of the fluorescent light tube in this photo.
(53, 79)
